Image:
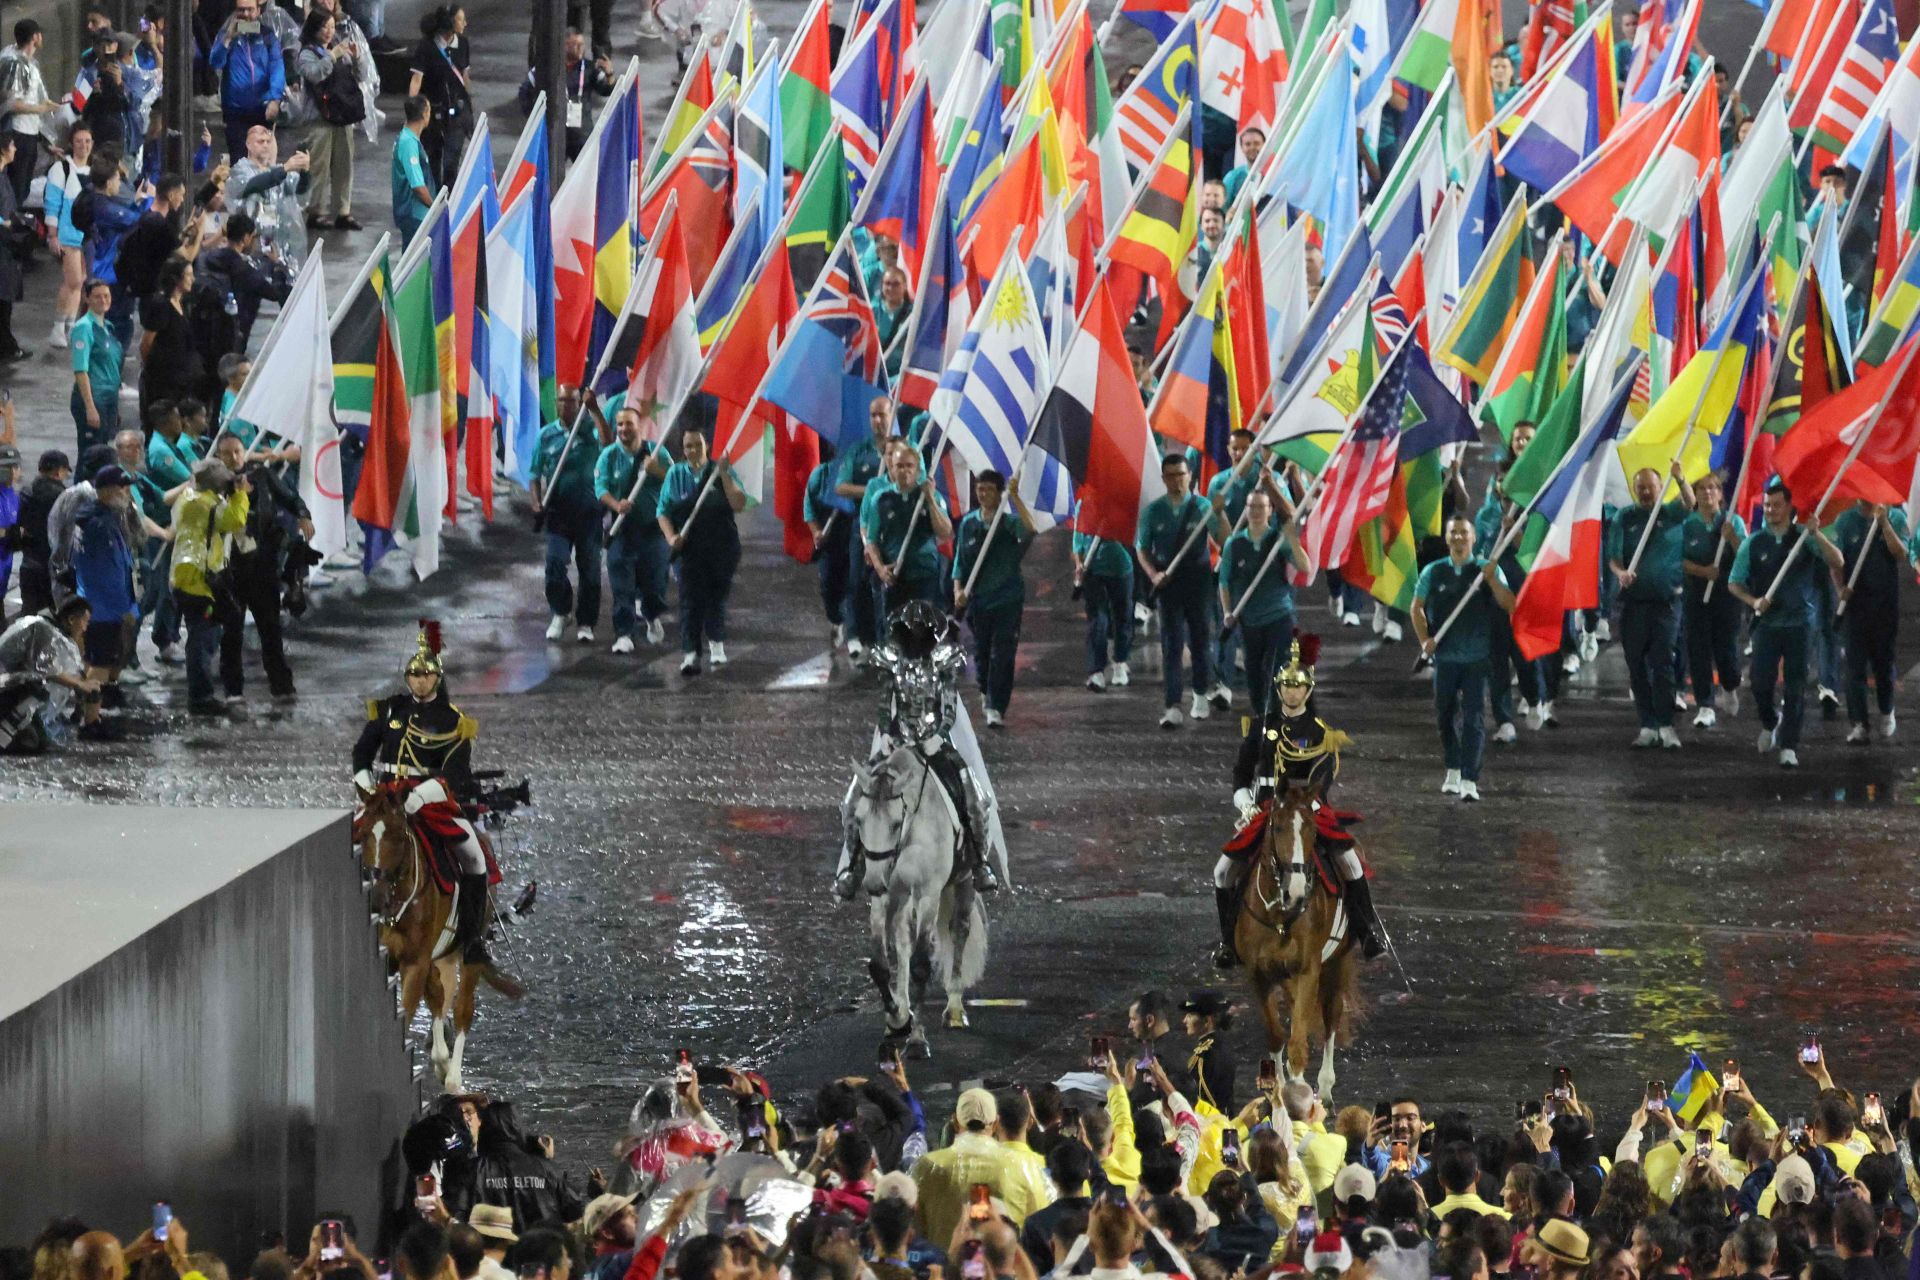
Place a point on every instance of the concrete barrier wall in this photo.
(241, 1060)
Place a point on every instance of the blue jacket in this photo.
(252, 72)
(112, 219)
(103, 564)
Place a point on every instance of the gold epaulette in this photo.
(1338, 739)
(468, 729)
(373, 709)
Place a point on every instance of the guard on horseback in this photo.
(418, 744)
(1291, 744)
(923, 661)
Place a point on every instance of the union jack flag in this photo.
(1359, 477)
(711, 157)
(841, 306)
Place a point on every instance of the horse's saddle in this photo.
(1330, 833)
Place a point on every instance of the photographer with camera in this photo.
(203, 519)
(274, 514)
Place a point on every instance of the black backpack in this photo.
(338, 98)
(81, 212)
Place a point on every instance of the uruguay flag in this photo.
(992, 392)
(1563, 536)
(1568, 118)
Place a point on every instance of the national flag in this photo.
(1385, 554)
(1016, 204)
(1870, 234)
(1320, 166)
(941, 309)
(1885, 405)
(1893, 321)
(1243, 64)
(1398, 214)
(1284, 268)
(1789, 22)
(370, 390)
(291, 388)
(1321, 375)
(1196, 403)
(475, 208)
(1592, 196)
(830, 371)
(741, 351)
(416, 524)
(1012, 40)
(859, 108)
(806, 86)
(901, 193)
(1571, 116)
(1094, 424)
(1690, 153)
(1359, 476)
(1817, 64)
(1811, 365)
(1149, 110)
(1760, 184)
(1490, 301)
(1159, 18)
(513, 339)
(759, 153)
(654, 351)
(1896, 109)
(1452, 35)
(1562, 541)
(976, 150)
(438, 234)
(1705, 393)
(820, 212)
(1661, 50)
(1693, 1091)
(950, 41)
(573, 239)
(613, 224)
(1089, 127)
(1158, 232)
(896, 26)
(700, 177)
(690, 103)
(1480, 210)
(1549, 24)
(527, 169)
(1531, 368)
(991, 394)
(1863, 69)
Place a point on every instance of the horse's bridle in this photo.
(1279, 917)
(389, 876)
(887, 796)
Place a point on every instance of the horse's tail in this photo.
(500, 980)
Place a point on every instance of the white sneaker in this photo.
(994, 719)
(1856, 736)
(1570, 664)
(1470, 791)
(319, 578)
(1097, 682)
(1522, 707)
(1221, 697)
(557, 628)
(1197, 707)
(1647, 738)
(1121, 676)
(1728, 701)
(1888, 725)
(1680, 703)
(656, 632)
(1349, 619)
(1391, 633)
(58, 337)
(1788, 760)
(341, 560)
(1602, 631)
(716, 653)
(690, 664)
(1506, 733)
(623, 645)
(1142, 616)
(1763, 743)
(169, 654)
(584, 635)
(1537, 718)
(1379, 618)
(133, 677)
(1669, 739)
(1589, 647)
(856, 653)
(1171, 718)
(1704, 718)
(1547, 718)
(1450, 785)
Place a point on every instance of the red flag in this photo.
(1794, 18)
(1017, 201)
(702, 176)
(1814, 451)
(385, 473)
(1593, 195)
(1817, 66)
(741, 357)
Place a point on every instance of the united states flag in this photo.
(1359, 477)
(1857, 80)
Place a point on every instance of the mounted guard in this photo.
(1289, 747)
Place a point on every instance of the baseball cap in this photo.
(111, 476)
(1793, 1181)
(9, 456)
(1354, 1180)
(600, 1210)
(975, 1110)
(54, 460)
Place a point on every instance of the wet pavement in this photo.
(1603, 907)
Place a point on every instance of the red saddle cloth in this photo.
(439, 828)
(1330, 825)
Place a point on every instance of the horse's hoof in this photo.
(918, 1049)
(957, 1019)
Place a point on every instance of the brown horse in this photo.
(416, 931)
(1286, 916)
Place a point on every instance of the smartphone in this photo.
(1116, 1196)
(1230, 1148)
(1562, 1084)
(1098, 1052)
(162, 1219)
(1268, 1076)
(1656, 1095)
(736, 1212)
(1797, 1130)
(1547, 1109)
(1401, 1158)
(980, 1203)
(683, 1068)
(333, 1240)
(753, 1118)
(973, 1263)
(1703, 1144)
(1810, 1051)
(1145, 1061)
(1871, 1113)
(1731, 1081)
(1306, 1226)
(248, 28)
(426, 1190)
(887, 1058)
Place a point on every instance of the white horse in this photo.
(921, 906)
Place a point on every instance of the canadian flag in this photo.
(1244, 64)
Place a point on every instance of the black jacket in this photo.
(275, 509)
(36, 505)
(152, 241)
(250, 280)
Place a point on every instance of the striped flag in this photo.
(992, 392)
(1856, 82)
(1359, 477)
(830, 369)
(1147, 112)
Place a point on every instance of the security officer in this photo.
(901, 520)
(637, 555)
(564, 504)
(1650, 597)
(1209, 1063)
(1872, 617)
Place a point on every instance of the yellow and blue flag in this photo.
(613, 221)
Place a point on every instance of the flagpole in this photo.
(1508, 350)
(1519, 523)
(520, 146)
(1853, 577)
(359, 281)
(1693, 419)
(1146, 177)
(1853, 452)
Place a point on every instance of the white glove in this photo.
(1243, 801)
(415, 801)
(364, 781)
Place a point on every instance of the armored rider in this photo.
(923, 661)
(1291, 743)
(419, 744)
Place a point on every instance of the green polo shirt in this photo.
(885, 513)
(96, 353)
(1854, 534)
(1700, 540)
(1109, 559)
(1165, 527)
(999, 583)
(409, 171)
(1439, 589)
(572, 490)
(858, 464)
(1658, 576)
(616, 470)
(171, 464)
(1796, 603)
(1240, 562)
(1228, 493)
